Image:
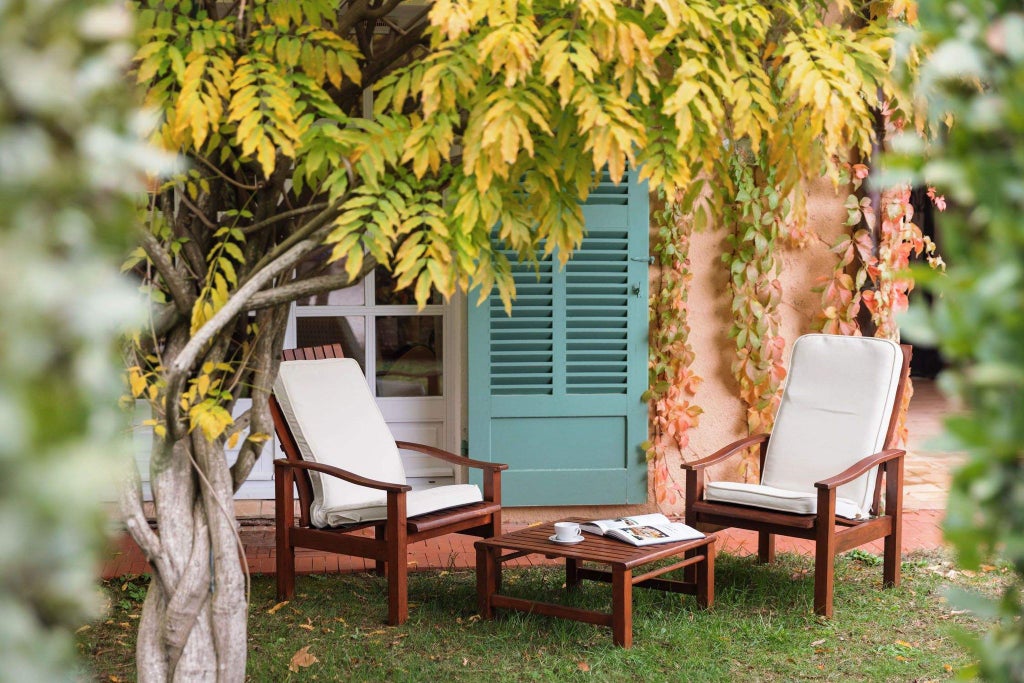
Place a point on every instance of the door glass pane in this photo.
(386, 295)
(354, 295)
(409, 355)
(349, 331)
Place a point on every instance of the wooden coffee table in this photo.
(622, 558)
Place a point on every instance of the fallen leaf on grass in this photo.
(308, 627)
(817, 642)
(465, 661)
(988, 568)
(273, 610)
(948, 668)
(583, 666)
(83, 629)
(301, 659)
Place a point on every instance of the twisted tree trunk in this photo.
(193, 622)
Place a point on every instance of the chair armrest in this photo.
(860, 467)
(351, 477)
(724, 453)
(451, 457)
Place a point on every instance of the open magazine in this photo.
(643, 529)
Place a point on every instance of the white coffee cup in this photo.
(567, 531)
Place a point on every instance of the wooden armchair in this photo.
(823, 465)
(341, 457)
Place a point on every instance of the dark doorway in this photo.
(927, 361)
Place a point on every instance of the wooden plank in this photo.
(667, 585)
(551, 610)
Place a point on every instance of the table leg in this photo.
(622, 607)
(572, 573)
(706, 577)
(487, 568)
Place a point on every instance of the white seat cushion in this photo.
(335, 421)
(835, 410)
(770, 498)
(416, 503)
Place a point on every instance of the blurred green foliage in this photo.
(66, 167)
(972, 85)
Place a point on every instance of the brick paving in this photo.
(927, 473)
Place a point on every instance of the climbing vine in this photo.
(879, 257)
(758, 216)
(672, 381)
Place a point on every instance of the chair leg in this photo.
(379, 566)
(398, 585)
(397, 559)
(891, 556)
(285, 571)
(765, 547)
(824, 576)
(824, 565)
(284, 522)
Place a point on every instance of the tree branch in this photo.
(194, 256)
(226, 178)
(307, 230)
(176, 285)
(285, 215)
(353, 15)
(298, 289)
(384, 62)
(196, 211)
(191, 591)
(267, 352)
(130, 502)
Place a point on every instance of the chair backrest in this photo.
(334, 420)
(839, 405)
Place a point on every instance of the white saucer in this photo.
(571, 541)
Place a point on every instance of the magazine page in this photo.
(603, 526)
(661, 533)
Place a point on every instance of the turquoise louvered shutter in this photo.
(555, 388)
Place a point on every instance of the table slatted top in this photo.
(536, 539)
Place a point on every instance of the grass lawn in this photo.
(760, 629)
